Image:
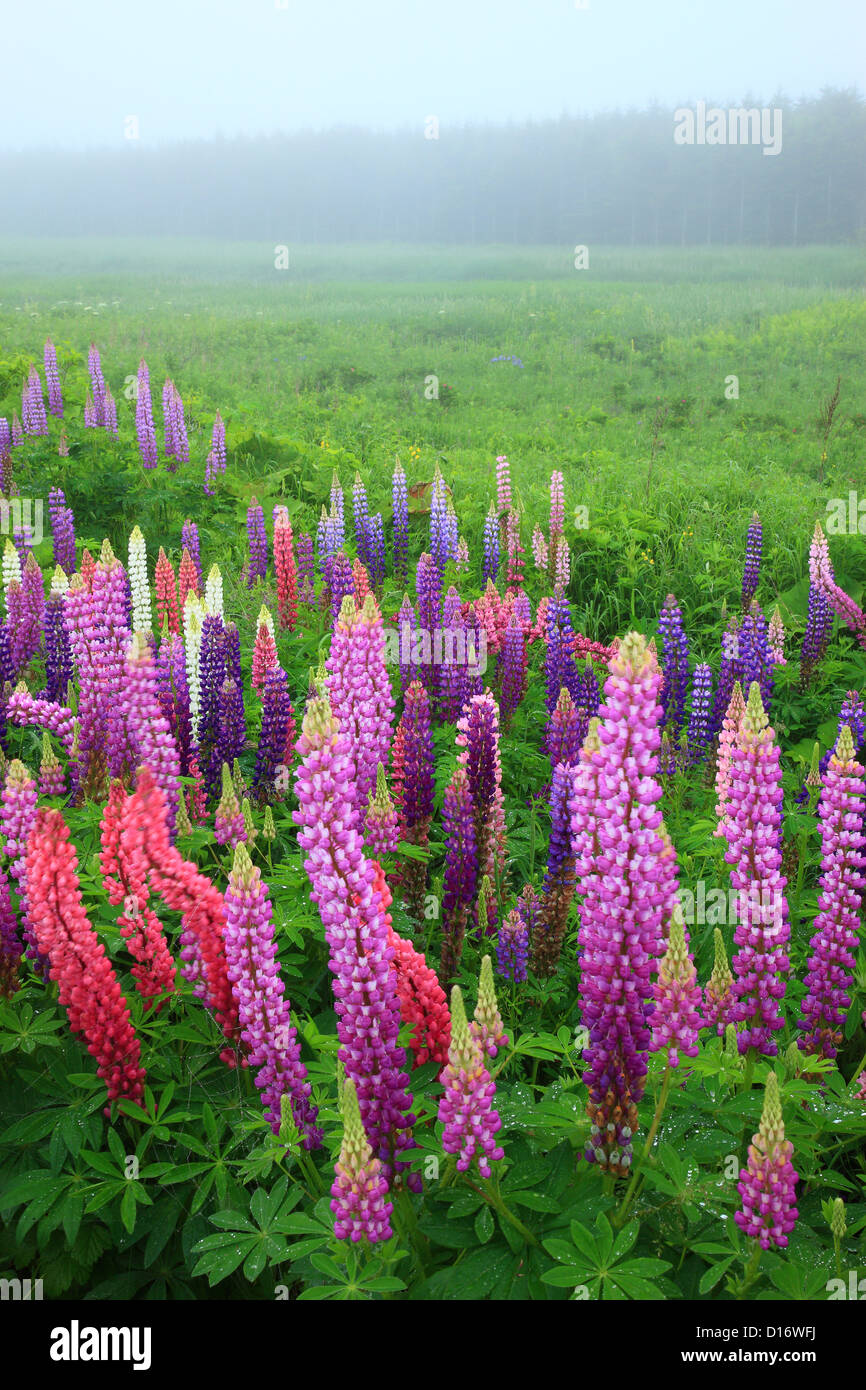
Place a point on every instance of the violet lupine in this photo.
(829, 979)
(218, 444)
(33, 414)
(461, 870)
(753, 830)
(5, 457)
(428, 588)
(490, 568)
(452, 690)
(718, 991)
(264, 1013)
(22, 539)
(418, 787)
(381, 823)
(62, 531)
(173, 691)
(17, 815)
(559, 666)
(478, 741)
(730, 671)
(97, 385)
(621, 868)
(756, 653)
(17, 432)
(144, 427)
(466, 1107)
(356, 929)
(339, 581)
(767, 1186)
(189, 541)
(228, 826)
(512, 668)
(99, 637)
(337, 512)
(110, 412)
(277, 716)
(752, 567)
(58, 657)
(816, 638)
(400, 525)
(232, 719)
(150, 734)
(257, 567)
(565, 732)
(559, 880)
(376, 549)
(675, 664)
(360, 692)
(52, 380)
(676, 1018)
(175, 427)
(698, 737)
(360, 1189)
(406, 641)
(439, 530)
(512, 948)
(212, 673)
(503, 484)
(361, 514)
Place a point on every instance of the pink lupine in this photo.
(360, 692)
(727, 740)
(360, 1189)
(767, 1185)
(676, 1017)
(466, 1107)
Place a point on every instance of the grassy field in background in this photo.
(622, 386)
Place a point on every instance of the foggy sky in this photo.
(73, 73)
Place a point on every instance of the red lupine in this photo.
(422, 999)
(187, 579)
(166, 595)
(123, 877)
(88, 986)
(284, 564)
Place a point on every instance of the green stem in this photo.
(750, 1273)
(491, 1195)
(860, 1067)
(620, 1216)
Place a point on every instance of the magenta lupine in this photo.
(264, 1013)
(676, 1018)
(461, 870)
(356, 929)
(360, 1188)
(99, 637)
(381, 823)
(767, 1186)
(841, 603)
(400, 525)
(753, 830)
(144, 426)
(829, 980)
(150, 735)
(624, 881)
(360, 692)
(55, 718)
(718, 991)
(565, 731)
(466, 1107)
(97, 385)
(52, 380)
(257, 566)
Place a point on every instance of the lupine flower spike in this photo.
(767, 1185)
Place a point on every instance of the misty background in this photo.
(295, 122)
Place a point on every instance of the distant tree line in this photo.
(617, 179)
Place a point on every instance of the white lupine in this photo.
(213, 592)
(265, 617)
(142, 616)
(11, 566)
(193, 618)
(59, 581)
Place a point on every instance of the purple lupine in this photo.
(461, 870)
(62, 531)
(150, 734)
(676, 1018)
(144, 427)
(559, 666)
(58, 656)
(305, 566)
(405, 641)
(337, 512)
(559, 880)
(478, 740)
(756, 653)
(730, 672)
(512, 667)
(180, 444)
(218, 444)
(22, 539)
(11, 948)
(17, 432)
(109, 406)
(400, 525)
(752, 567)
(529, 910)
(5, 457)
(173, 688)
(853, 714)
(28, 640)
(276, 719)
(565, 733)
(189, 541)
(452, 687)
(753, 831)
(698, 737)
(359, 1189)
(264, 1012)
(376, 550)
(428, 588)
(24, 708)
(339, 581)
(17, 814)
(490, 567)
(52, 380)
(257, 567)
(675, 665)
(360, 693)
(99, 637)
(97, 385)
(233, 724)
(512, 948)
(33, 405)
(439, 528)
(356, 929)
(212, 674)
(816, 638)
(466, 1106)
(361, 513)
(767, 1185)
(328, 538)
(621, 868)
(829, 979)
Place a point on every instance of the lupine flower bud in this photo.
(465, 1108)
(718, 996)
(768, 1183)
(676, 1017)
(359, 1190)
(486, 1027)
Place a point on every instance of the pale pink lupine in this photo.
(727, 739)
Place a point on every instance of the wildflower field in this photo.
(432, 801)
